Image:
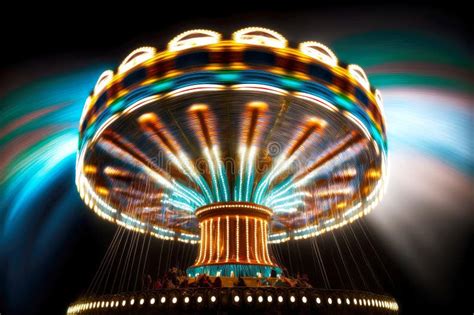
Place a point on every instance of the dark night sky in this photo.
(55, 42)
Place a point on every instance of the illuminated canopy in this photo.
(244, 120)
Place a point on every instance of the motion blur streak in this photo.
(428, 104)
(426, 215)
(38, 142)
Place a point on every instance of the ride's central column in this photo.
(234, 238)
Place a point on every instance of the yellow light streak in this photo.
(227, 239)
(210, 240)
(255, 228)
(247, 237)
(237, 238)
(218, 254)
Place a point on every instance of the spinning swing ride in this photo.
(233, 144)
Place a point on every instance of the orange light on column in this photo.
(244, 234)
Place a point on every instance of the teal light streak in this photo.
(163, 86)
(225, 76)
(290, 83)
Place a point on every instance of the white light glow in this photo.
(319, 52)
(193, 38)
(260, 36)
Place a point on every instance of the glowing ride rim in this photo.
(114, 97)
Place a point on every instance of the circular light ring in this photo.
(101, 114)
(259, 36)
(100, 104)
(319, 52)
(240, 208)
(136, 57)
(212, 77)
(117, 101)
(97, 204)
(161, 57)
(193, 38)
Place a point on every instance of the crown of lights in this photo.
(315, 111)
